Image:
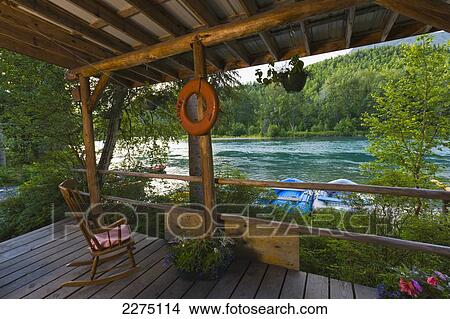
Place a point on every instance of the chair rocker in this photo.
(105, 243)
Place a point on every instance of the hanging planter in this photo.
(293, 78)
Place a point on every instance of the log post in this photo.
(89, 142)
(207, 165)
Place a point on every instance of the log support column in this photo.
(87, 105)
(205, 145)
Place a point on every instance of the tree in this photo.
(411, 117)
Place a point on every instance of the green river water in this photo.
(310, 159)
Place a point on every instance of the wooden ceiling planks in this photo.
(39, 22)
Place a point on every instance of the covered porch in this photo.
(33, 265)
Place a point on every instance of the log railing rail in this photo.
(358, 188)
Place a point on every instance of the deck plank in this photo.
(53, 288)
(200, 289)
(249, 284)
(316, 287)
(158, 286)
(294, 285)
(21, 266)
(86, 292)
(31, 236)
(177, 289)
(27, 244)
(226, 285)
(60, 240)
(157, 251)
(272, 283)
(79, 273)
(58, 261)
(340, 289)
(364, 292)
(144, 280)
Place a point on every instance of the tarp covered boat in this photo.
(296, 200)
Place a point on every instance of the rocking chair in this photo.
(105, 243)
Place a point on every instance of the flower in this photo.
(381, 291)
(432, 281)
(408, 288)
(441, 275)
(417, 286)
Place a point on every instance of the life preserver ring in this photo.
(207, 91)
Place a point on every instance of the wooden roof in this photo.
(73, 33)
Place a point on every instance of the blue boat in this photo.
(296, 200)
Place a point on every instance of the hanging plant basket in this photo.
(292, 79)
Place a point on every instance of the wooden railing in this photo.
(356, 188)
(299, 229)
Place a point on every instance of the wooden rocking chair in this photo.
(105, 243)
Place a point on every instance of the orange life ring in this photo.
(206, 90)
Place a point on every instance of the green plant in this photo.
(411, 120)
(293, 78)
(234, 194)
(204, 258)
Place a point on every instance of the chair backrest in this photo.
(79, 209)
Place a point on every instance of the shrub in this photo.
(273, 131)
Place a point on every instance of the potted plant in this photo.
(407, 283)
(293, 78)
(202, 258)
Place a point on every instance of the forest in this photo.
(338, 91)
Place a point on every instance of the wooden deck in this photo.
(33, 266)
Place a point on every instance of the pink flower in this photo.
(407, 287)
(432, 281)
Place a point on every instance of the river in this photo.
(309, 159)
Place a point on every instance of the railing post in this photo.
(209, 198)
(89, 142)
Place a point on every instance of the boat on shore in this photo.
(295, 200)
(334, 199)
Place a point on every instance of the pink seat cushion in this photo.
(112, 239)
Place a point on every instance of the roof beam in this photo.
(12, 44)
(182, 63)
(250, 8)
(349, 26)
(214, 61)
(163, 69)
(271, 44)
(20, 37)
(238, 51)
(216, 35)
(128, 26)
(41, 27)
(208, 18)
(430, 12)
(199, 9)
(24, 35)
(155, 13)
(305, 38)
(54, 13)
(389, 24)
(59, 15)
